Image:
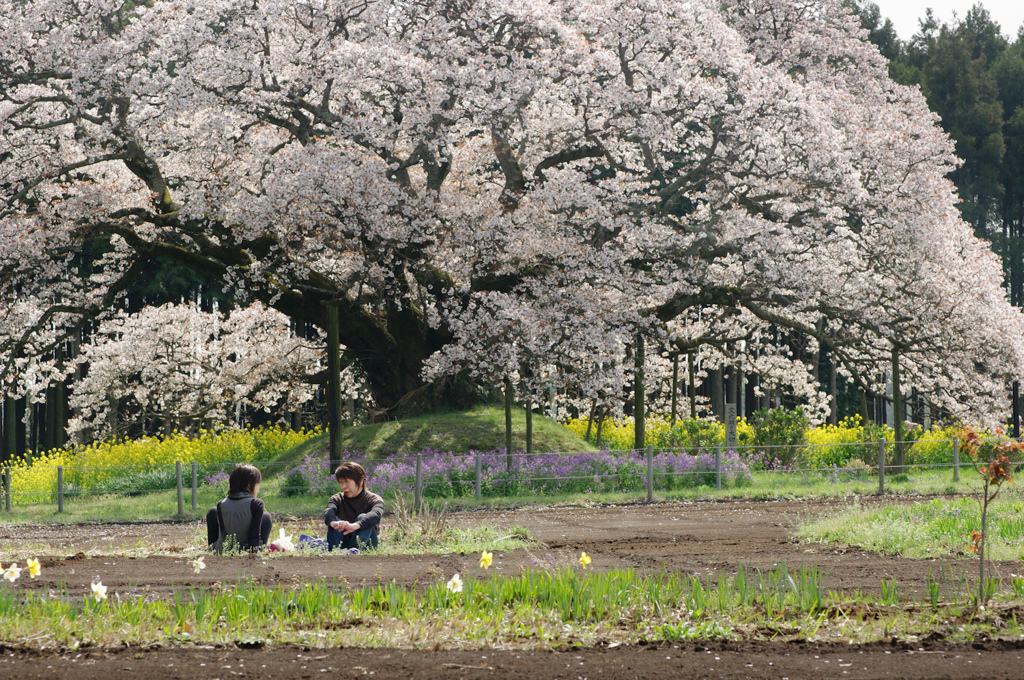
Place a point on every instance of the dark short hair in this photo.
(243, 478)
(350, 470)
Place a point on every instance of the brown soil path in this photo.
(722, 661)
(697, 538)
(690, 537)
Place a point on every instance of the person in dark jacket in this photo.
(241, 517)
(353, 514)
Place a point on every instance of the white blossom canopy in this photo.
(498, 187)
(178, 365)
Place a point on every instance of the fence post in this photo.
(956, 460)
(881, 466)
(181, 500)
(718, 466)
(650, 473)
(478, 466)
(195, 484)
(60, 488)
(419, 482)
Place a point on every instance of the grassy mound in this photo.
(480, 429)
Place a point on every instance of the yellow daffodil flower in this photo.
(584, 560)
(485, 559)
(33, 567)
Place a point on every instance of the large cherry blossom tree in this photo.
(175, 366)
(498, 186)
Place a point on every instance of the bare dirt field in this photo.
(725, 661)
(689, 537)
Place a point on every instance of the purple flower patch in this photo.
(450, 475)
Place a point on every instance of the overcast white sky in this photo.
(1009, 14)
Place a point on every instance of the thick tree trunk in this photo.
(334, 412)
(741, 388)
(49, 420)
(639, 416)
(59, 415)
(508, 423)
(675, 389)
(10, 430)
(390, 345)
(22, 436)
(833, 416)
(114, 418)
(693, 385)
(1015, 397)
(76, 343)
(529, 425)
(718, 394)
(897, 409)
(590, 419)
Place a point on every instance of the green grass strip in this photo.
(925, 528)
(537, 608)
(162, 505)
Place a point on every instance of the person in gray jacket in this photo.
(352, 516)
(241, 517)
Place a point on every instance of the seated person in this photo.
(353, 514)
(240, 516)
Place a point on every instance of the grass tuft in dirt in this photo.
(926, 528)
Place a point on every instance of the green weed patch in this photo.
(926, 528)
(537, 608)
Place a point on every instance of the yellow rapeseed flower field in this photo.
(619, 434)
(90, 466)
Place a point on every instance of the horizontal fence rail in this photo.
(444, 475)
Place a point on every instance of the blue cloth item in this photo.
(364, 538)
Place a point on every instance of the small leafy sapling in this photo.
(993, 474)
